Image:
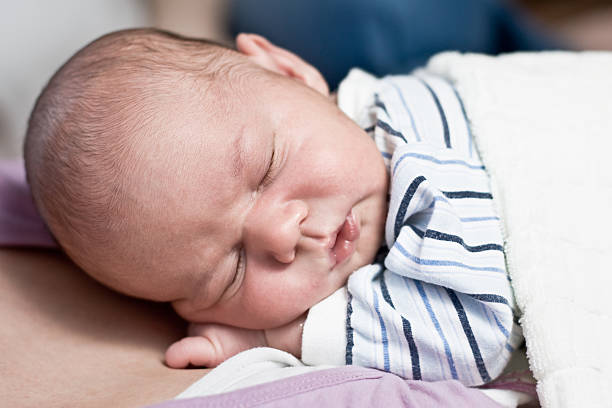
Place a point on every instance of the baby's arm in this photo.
(209, 344)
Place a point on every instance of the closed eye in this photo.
(269, 176)
(240, 265)
(232, 287)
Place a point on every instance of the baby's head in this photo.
(225, 182)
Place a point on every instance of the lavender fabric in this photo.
(348, 386)
(20, 224)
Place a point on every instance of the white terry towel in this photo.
(543, 125)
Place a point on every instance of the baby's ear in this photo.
(277, 59)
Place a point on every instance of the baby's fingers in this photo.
(197, 351)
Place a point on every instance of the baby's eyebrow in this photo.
(238, 154)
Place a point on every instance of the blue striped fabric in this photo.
(441, 306)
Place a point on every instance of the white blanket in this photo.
(543, 125)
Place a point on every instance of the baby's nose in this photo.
(275, 231)
(285, 256)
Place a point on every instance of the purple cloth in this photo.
(20, 224)
(349, 386)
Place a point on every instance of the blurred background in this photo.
(383, 36)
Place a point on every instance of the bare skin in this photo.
(68, 341)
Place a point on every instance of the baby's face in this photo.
(265, 210)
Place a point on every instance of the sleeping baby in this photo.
(357, 228)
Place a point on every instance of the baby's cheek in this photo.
(278, 301)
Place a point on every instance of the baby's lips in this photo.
(350, 228)
(345, 240)
(342, 250)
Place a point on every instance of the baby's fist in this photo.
(209, 345)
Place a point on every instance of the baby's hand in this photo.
(210, 344)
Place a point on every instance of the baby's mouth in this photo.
(343, 244)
